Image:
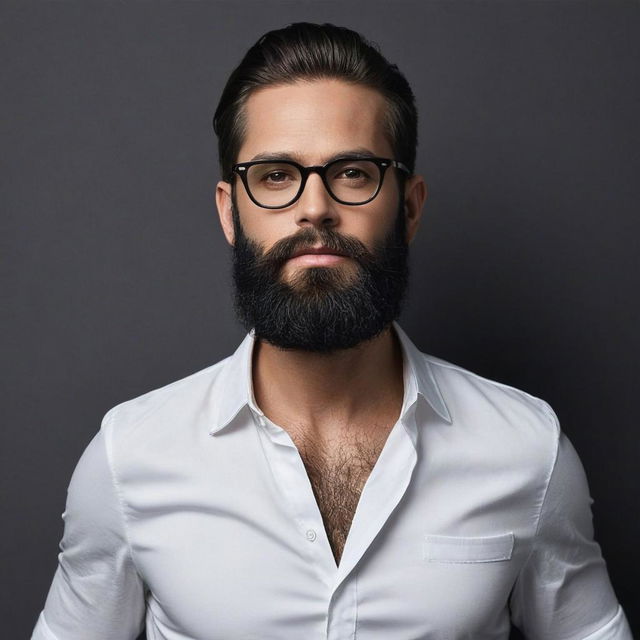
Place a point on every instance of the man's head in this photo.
(312, 95)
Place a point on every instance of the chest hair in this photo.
(338, 472)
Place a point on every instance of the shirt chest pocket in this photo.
(465, 549)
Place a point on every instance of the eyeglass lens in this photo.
(275, 184)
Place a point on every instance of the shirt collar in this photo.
(234, 386)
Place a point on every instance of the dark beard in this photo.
(321, 309)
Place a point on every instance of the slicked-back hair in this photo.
(307, 51)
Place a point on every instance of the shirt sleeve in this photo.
(563, 590)
(96, 593)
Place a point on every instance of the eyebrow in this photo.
(361, 153)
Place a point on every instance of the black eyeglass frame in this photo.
(242, 169)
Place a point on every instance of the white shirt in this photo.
(191, 510)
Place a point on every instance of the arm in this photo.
(563, 590)
(96, 592)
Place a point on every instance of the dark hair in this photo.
(305, 50)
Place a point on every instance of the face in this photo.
(337, 301)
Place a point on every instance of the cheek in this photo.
(263, 226)
(375, 223)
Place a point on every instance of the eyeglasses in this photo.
(276, 184)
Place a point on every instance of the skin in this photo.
(323, 397)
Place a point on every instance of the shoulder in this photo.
(464, 388)
(172, 408)
(508, 421)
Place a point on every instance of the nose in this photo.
(315, 207)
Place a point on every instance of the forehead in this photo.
(314, 120)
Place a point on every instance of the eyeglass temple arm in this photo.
(401, 166)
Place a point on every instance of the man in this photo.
(328, 480)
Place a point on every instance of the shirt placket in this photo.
(380, 496)
(382, 493)
(293, 482)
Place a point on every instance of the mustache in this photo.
(284, 249)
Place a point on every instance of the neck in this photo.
(329, 392)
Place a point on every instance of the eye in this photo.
(353, 174)
(273, 175)
(276, 176)
(356, 175)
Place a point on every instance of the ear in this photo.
(415, 194)
(223, 203)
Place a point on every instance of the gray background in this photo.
(116, 274)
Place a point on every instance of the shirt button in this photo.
(311, 535)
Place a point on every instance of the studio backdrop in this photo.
(116, 274)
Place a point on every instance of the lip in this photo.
(316, 251)
(317, 257)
